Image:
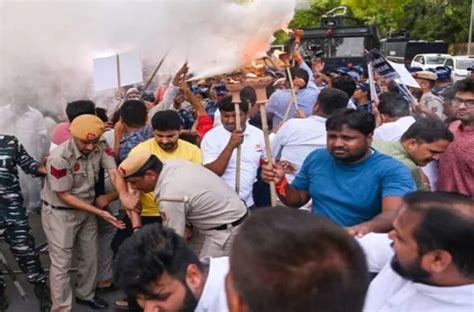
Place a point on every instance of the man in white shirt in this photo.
(395, 115)
(158, 267)
(219, 149)
(289, 260)
(431, 266)
(299, 137)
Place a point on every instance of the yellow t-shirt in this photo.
(185, 151)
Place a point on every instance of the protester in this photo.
(161, 270)
(189, 194)
(219, 149)
(286, 260)
(297, 138)
(14, 219)
(68, 216)
(456, 166)
(61, 133)
(348, 182)
(431, 265)
(395, 115)
(422, 143)
(132, 94)
(306, 96)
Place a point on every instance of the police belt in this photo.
(57, 207)
(230, 225)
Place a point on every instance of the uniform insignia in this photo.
(90, 136)
(58, 173)
(76, 167)
(109, 151)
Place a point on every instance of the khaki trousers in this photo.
(213, 243)
(70, 231)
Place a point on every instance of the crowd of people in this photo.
(168, 197)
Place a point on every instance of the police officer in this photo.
(444, 81)
(431, 102)
(189, 194)
(69, 217)
(14, 220)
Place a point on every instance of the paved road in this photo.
(31, 305)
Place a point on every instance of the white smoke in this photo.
(47, 47)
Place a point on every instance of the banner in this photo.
(381, 66)
(122, 69)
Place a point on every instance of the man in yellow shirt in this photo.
(165, 145)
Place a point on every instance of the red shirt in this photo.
(456, 166)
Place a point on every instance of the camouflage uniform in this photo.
(13, 216)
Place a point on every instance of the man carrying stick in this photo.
(219, 149)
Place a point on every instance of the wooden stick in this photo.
(268, 150)
(293, 96)
(239, 149)
(118, 74)
(155, 72)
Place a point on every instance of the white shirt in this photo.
(214, 298)
(297, 138)
(214, 143)
(389, 292)
(393, 131)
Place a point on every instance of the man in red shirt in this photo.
(456, 166)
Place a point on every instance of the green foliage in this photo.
(446, 20)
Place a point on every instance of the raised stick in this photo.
(268, 150)
(239, 149)
(155, 72)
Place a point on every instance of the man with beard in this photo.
(423, 142)
(160, 269)
(348, 182)
(189, 194)
(456, 166)
(431, 266)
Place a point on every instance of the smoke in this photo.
(47, 47)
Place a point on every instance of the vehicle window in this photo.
(422, 60)
(449, 62)
(464, 64)
(435, 60)
(417, 59)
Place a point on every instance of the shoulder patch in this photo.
(58, 173)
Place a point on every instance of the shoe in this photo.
(44, 296)
(95, 304)
(3, 300)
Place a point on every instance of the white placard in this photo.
(106, 75)
(405, 77)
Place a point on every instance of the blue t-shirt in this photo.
(349, 194)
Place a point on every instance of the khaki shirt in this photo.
(187, 192)
(433, 103)
(71, 171)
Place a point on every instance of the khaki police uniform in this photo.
(428, 99)
(191, 194)
(433, 103)
(67, 228)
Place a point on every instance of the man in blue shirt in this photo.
(306, 97)
(349, 183)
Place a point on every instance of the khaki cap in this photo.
(133, 163)
(427, 75)
(87, 128)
